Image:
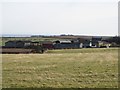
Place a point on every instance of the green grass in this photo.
(75, 68)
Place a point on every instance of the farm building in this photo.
(66, 45)
(10, 44)
(103, 44)
(47, 45)
(22, 47)
(85, 43)
(95, 41)
(17, 44)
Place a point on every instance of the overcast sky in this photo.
(55, 17)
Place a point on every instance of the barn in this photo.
(66, 45)
(22, 47)
(17, 44)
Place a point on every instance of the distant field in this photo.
(74, 68)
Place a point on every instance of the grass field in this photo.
(74, 68)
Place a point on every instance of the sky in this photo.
(55, 17)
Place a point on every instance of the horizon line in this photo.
(26, 35)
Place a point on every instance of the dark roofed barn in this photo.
(10, 44)
(17, 44)
(66, 45)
